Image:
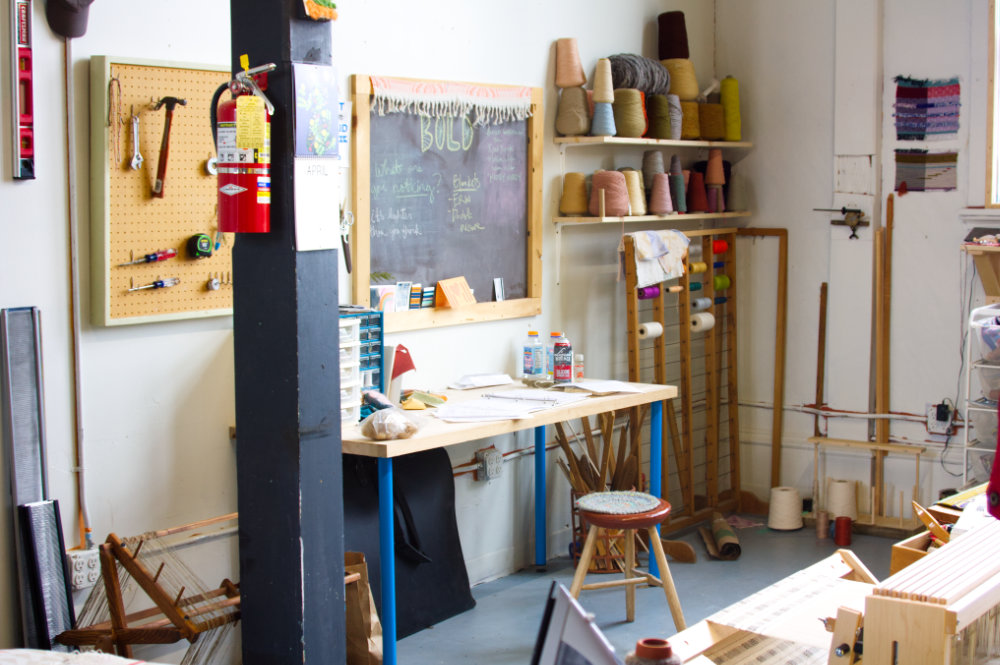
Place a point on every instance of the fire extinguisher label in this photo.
(264, 189)
(229, 154)
(232, 189)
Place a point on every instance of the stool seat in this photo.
(629, 521)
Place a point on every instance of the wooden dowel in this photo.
(196, 525)
(820, 354)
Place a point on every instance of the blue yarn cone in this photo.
(603, 122)
(677, 192)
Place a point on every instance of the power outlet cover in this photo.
(935, 426)
(84, 568)
(490, 464)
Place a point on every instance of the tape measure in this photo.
(199, 246)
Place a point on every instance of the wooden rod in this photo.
(732, 380)
(881, 435)
(820, 354)
(196, 525)
(711, 381)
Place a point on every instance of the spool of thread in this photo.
(612, 183)
(604, 89)
(636, 195)
(715, 172)
(716, 201)
(650, 330)
(687, 178)
(697, 200)
(603, 122)
(729, 93)
(676, 117)
(721, 282)
(630, 112)
(785, 512)
(698, 266)
(658, 113)
(700, 304)
(842, 531)
(721, 300)
(719, 246)
(574, 194)
(648, 292)
(652, 164)
(677, 192)
(711, 122)
(660, 202)
(694, 252)
(569, 71)
(673, 36)
(694, 286)
(690, 125)
(822, 524)
(841, 500)
(675, 165)
(573, 118)
(719, 264)
(683, 81)
(702, 321)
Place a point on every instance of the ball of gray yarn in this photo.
(635, 71)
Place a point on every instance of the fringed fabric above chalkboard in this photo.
(490, 105)
(926, 109)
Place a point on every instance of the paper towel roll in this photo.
(650, 330)
(702, 321)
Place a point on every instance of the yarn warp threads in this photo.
(711, 122)
(636, 194)
(841, 500)
(603, 122)
(673, 36)
(604, 90)
(683, 81)
(697, 200)
(690, 122)
(729, 94)
(676, 117)
(635, 71)
(650, 330)
(702, 321)
(630, 112)
(648, 292)
(658, 113)
(572, 118)
(677, 195)
(612, 184)
(721, 282)
(785, 512)
(574, 195)
(700, 304)
(715, 173)
(652, 163)
(660, 201)
(569, 71)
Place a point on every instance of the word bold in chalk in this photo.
(442, 133)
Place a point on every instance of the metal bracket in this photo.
(853, 217)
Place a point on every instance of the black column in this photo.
(287, 386)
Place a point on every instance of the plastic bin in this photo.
(984, 333)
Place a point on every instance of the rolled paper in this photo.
(650, 330)
(660, 201)
(673, 39)
(702, 321)
(719, 246)
(729, 93)
(603, 122)
(636, 193)
(572, 118)
(616, 202)
(711, 122)
(715, 172)
(630, 112)
(604, 90)
(697, 198)
(574, 195)
(690, 123)
(569, 71)
(676, 117)
(683, 81)
(677, 192)
(648, 292)
(698, 267)
(721, 282)
(700, 304)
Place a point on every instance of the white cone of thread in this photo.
(841, 500)
(700, 304)
(650, 330)
(702, 321)
(785, 511)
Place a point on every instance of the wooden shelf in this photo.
(987, 261)
(676, 217)
(670, 143)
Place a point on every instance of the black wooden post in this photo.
(287, 386)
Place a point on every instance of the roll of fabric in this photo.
(574, 195)
(711, 122)
(683, 81)
(715, 173)
(690, 126)
(572, 118)
(569, 71)
(729, 93)
(660, 202)
(636, 194)
(658, 112)
(677, 192)
(697, 199)
(676, 117)
(616, 201)
(673, 37)
(604, 89)
(630, 112)
(652, 163)
(603, 122)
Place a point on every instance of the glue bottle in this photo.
(562, 360)
(578, 370)
(531, 355)
(550, 364)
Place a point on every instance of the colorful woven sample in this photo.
(919, 170)
(927, 109)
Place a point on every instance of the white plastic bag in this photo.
(388, 424)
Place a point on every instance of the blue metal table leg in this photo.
(655, 464)
(540, 530)
(387, 559)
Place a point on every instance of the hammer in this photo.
(161, 167)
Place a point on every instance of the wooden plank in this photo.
(686, 217)
(868, 445)
(711, 381)
(881, 433)
(729, 309)
(820, 354)
(623, 140)
(687, 398)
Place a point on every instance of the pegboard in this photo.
(127, 221)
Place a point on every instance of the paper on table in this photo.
(483, 409)
(601, 387)
(481, 381)
(544, 398)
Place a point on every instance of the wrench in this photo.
(136, 162)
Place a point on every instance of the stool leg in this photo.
(668, 582)
(629, 537)
(584, 563)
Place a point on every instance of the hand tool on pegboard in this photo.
(161, 168)
(22, 104)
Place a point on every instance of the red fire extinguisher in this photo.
(244, 157)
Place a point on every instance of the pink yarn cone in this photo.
(660, 202)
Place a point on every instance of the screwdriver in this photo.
(158, 284)
(161, 255)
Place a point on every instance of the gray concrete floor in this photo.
(502, 627)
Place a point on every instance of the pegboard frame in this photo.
(105, 297)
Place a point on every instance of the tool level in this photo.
(22, 100)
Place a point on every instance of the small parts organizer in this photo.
(178, 265)
(361, 360)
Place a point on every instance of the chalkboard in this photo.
(449, 199)
(437, 197)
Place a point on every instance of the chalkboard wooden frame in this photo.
(361, 89)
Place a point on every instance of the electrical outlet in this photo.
(490, 464)
(935, 425)
(84, 568)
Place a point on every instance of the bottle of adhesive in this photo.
(549, 351)
(528, 354)
(538, 357)
(562, 360)
(578, 367)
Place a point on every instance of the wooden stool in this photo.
(644, 512)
